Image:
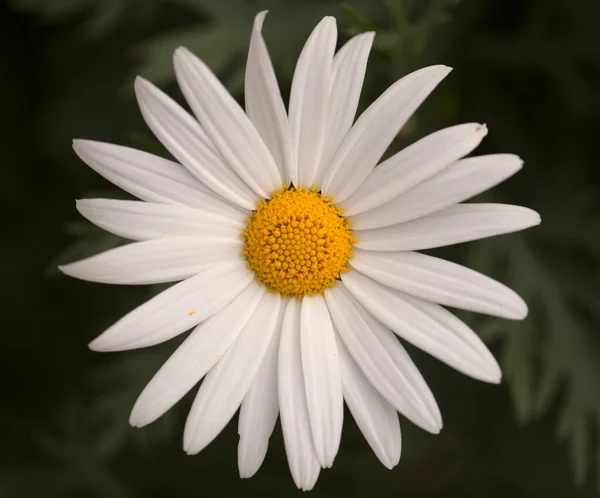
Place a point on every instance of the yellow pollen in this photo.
(298, 242)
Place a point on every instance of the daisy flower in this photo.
(296, 253)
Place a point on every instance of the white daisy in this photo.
(296, 254)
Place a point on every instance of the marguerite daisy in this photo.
(296, 253)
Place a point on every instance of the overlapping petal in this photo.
(293, 405)
(264, 105)
(349, 67)
(183, 136)
(260, 408)
(375, 417)
(309, 101)
(149, 177)
(176, 309)
(426, 325)
(458, 182)
(383, 359)
(195, 357)
(226, 123)
(440, 281)
(375, 129)
(412, 165)
(225, 386)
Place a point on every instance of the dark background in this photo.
(530, 69)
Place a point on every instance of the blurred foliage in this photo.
(530, 68)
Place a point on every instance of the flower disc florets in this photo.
(298, 242)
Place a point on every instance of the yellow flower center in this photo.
(298, 242)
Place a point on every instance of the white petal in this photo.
(293, 407)
(349, 66)
(226, 123)
(412, 165)
(264, 104)
(375, 417)
(259, 410)
(183, 136)
(138, 220)
(440, 281)
(195, 357)
(321, 368)
(375, 129)
(155, 261)
(427, 326)
(309, 100)
(225, 386)
(177, 309)
(383, 360)
(459, 223)
(150, 178)
(459, 181)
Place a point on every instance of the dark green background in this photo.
(530, 69)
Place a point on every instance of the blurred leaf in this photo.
(553, 354)
(91, 240)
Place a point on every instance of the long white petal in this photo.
(309, 99)
(440, 281)
(375, 417)
(321, 368)
(349, 66)
(264, 104)
(195, 357)
(453, 225)
(412, 165)
(137, 220)
(383, 360)
(183, 136)
(375, 129)
(155, 261)
(150, 178)
(226, 123)
(225, 386)
(176, 310)
(259, 410)
(293, 407)
(427, 326)
(458, 182)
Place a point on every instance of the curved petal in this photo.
(259, 410)
(225, 386)
(226, 123)
(309, 99)
(427, 326)
(155, 261)
(375, 129)
(383, 360)
(412, 165)
(183, 136)
(137, 220)
(195, 357)
(264, 105)
(375, 417)
(148, 177)
(453, 225)
(349, 66)
(177, 309)
(322, 380)
(458, 182)
(293, 407)
(440, 281)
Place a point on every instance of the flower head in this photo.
(296, 253)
